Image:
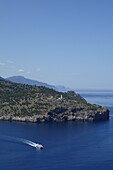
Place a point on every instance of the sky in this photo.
(60, 42)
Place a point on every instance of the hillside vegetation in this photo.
(31, 103)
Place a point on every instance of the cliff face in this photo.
(61, 114)
(38, 104)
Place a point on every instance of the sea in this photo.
(67, 145)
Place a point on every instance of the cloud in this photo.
(20, 70)
(9, 62)
(2, 64)
(6, 62)
(28, 72)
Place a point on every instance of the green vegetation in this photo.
(18, 100)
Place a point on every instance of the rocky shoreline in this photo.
(57, 115)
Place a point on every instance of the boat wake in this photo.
(21, 140)
(28, 142)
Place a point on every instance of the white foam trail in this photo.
(28, 142)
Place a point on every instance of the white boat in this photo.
(39, 146)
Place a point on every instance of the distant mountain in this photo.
(2, 79)
(23, 80)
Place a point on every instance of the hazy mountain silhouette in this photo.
(23, 80)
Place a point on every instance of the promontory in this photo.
(22, 102)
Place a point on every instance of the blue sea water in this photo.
(67, 145)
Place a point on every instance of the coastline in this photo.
(102, 115)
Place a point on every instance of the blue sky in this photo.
(61, 42)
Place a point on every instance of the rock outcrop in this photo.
(63, 114)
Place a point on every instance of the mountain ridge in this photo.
(24, 80)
